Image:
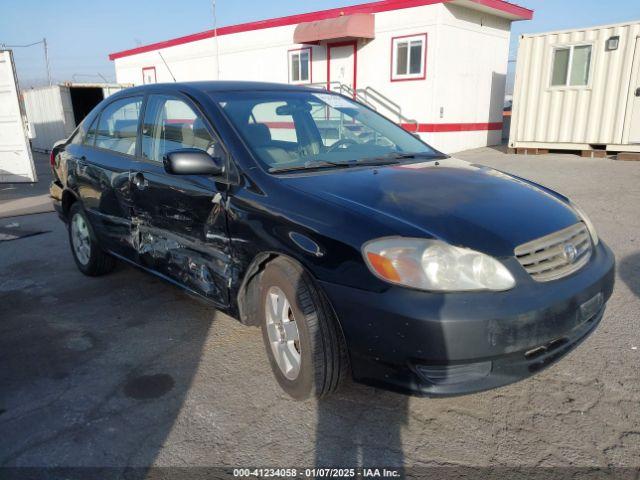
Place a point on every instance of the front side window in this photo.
(571, 66)
(408, 57)
(299, 129)
(172, 124)
(300, 65)
(117, 128)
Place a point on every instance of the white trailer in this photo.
(578, 90)
(54, 112)
(16, 161)
(437, 67)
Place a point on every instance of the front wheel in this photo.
(304, 344)
(89, 257)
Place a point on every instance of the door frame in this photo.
(352, 43)
(634, 82)
(149, 69)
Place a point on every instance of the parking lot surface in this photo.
(126, 370)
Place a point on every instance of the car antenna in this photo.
(166, 65)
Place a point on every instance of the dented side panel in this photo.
(179, 230)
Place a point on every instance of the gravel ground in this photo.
(126, 370)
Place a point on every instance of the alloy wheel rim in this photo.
(282, 330)
(80, 239)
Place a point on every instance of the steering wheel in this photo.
(345, 142)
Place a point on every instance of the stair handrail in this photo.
(369, 96)
(387, 103)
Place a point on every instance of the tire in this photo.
(89, 257)
(320, 346)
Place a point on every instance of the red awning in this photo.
(358, 25)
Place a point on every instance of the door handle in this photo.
(139, 181)
(638, 92)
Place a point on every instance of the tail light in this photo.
(52, 158)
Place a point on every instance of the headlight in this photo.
(583, 216)
(434, 265)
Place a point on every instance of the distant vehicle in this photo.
(353, 244)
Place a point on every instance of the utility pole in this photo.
(46, 60)
(215, 39)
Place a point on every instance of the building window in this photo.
(409, 55)
(300, 65)
(571, 66)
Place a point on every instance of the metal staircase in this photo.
(374, 100)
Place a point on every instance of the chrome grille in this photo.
(556, 255)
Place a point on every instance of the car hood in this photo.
(464, 204)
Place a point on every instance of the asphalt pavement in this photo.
(126, 370)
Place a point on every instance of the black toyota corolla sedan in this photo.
(357, 248)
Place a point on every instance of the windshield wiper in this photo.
(309, 166)
(410, 155)
(372, 161)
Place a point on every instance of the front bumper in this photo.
(457, 343)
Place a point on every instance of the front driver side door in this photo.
(180, 220)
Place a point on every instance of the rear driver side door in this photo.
(180, 219)
(99, 172)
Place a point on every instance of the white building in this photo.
(578, 90)
(438, 67)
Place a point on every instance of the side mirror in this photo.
(191, 161)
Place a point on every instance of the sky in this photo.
(81, 33)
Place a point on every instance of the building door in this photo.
(341, 67)
(16, 162)
(634, 127)
(149, 75)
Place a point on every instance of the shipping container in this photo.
(16, 161)
(578, 90)
(54, 112)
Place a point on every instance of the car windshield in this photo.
(299, 130)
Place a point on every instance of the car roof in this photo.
(220, 86)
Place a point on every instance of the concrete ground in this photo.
(28, 198)
(126, 370)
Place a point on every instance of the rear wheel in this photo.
(303, 341)
(89, 257)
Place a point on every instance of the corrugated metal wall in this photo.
(46, 116)
(594, 114)
(50, 112)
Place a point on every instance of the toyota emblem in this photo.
(569, 252)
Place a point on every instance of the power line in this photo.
(46, 54)
(4, 45)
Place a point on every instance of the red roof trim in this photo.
(510, 8)
(451, 127)
(373, 7)
(420, 127)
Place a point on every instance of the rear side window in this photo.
(118, 126)
(172, 124)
